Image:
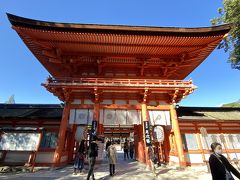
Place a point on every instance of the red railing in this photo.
(119, 82)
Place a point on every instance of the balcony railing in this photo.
(115, 82)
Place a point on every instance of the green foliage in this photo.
(234, 104)
(230, 13)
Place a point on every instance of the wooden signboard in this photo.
(147, 133)
(12, 141)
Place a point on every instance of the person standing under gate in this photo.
(131, 149)
(125, 149)
(112, 158)
(92, 154)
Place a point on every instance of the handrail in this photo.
(119, 82)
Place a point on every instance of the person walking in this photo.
(92, 154)
(112, 158)
(79, 159)
(125, 149)
(131, 149)
(220, 167)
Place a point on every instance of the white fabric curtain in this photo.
(159, 118)
(121, 117)
(133, 117)
(109, 117)
(81, 116)
(80, 133)
(90, 116)
(72, 116)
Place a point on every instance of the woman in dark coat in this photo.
(220, 167)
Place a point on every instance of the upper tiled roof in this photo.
(72, 50)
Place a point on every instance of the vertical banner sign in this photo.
(147, 133)
(93, 134)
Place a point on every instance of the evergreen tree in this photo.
(230, 13)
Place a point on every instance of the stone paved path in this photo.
(125, 170)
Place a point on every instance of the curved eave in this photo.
(117, 29)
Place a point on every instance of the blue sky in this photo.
(21, 74)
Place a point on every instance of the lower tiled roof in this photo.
(54, 111)
(31, 111)
(208, 113)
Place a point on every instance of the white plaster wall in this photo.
(88, 101)
(163, 103)
(17, 156)
(120, 102)
(133, 102)
(207, 156)
(76, 101)
(44, 157)
(107, 101)
(174, 159)
(194, 158)
(152, 103)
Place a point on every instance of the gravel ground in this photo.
(125, 170)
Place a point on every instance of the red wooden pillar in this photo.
(178, 138)
(166, 145)
(61, 135)
(145, 118)
(96, 112)
(72, 143)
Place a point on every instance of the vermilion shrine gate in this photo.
(118, 75)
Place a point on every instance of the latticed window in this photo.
(49, 140)
(233, 141)
(211, 138)
(189, 142)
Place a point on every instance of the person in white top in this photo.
(112, 158)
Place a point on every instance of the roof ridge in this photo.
(22, 21)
